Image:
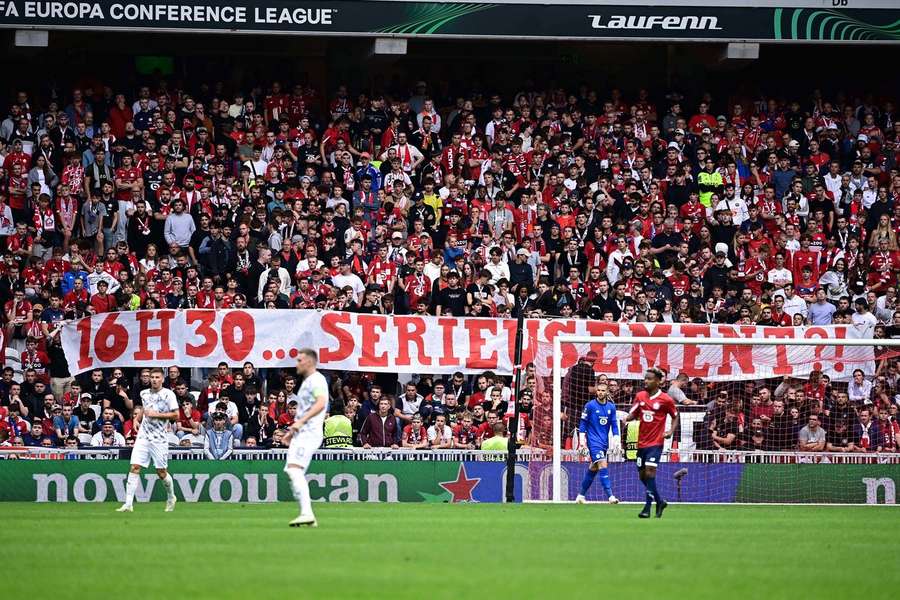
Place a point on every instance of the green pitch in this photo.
(427, 551)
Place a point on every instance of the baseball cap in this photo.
(396, 236)
(705, 130)
(722, 247)
(862, 138)
(365, 155)
(521, 252)
(86, 396)
(679, 131)
(108, 423)
(217, 416)
(673, 145)
(794, 144)
(453, 274)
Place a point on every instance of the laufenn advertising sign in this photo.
(838, 21)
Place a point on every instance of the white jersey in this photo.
(314, 385)
(154, 430)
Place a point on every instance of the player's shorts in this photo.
(649, 456)
(301, 450)
(145, 452)
(597, 453)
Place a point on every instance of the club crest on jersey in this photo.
(656, 406)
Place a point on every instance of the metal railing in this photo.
(523, 455)
(759, 457)
(403, 454)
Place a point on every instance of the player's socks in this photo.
(605, 482)
(131, 487)
(648, 502)
(301, 490)
(587, 481)
(169, 484)
(650, 482)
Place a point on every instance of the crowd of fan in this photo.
(579, 204)
(233, 410)
(813, 415)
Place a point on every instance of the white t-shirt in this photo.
(314, 385)
(795, 305)
(97, 439)
(779, 277)
(445, 435)
(353, 281)
(864, 319)
(154, 430)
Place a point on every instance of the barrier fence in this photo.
(353, 475)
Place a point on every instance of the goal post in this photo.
(775, 359)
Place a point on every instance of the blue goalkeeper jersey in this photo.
(598, 419)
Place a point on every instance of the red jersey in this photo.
(415, 435)
(127, 176)
(465, 435)
(381, 272)
(653, 412)
(416, 287)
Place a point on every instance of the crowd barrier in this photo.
(384, 475)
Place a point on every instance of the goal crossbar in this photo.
(559, 340)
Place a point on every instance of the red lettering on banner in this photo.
(145, 333)
(782, 366)
(691, 352)
(819, 332)
(111, 339)
(410, 329)
(837, 364)
(84, 344)
(206, 319)
(475, 360)
(330, 323)
(448, 358)
(656, 355)
(569, 352)
(742, 355)
(370, 337)
(238, 320)
(601, 328)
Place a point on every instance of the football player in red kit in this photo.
(652, 406)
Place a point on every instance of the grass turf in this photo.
(430, 551)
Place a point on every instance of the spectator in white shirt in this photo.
(497, 268)
(860, 389)
(863, 316)
(439, 434)
(107, 436)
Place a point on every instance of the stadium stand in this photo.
(582, 204)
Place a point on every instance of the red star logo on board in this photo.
(462, 487)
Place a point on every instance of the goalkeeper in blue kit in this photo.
(598, 433)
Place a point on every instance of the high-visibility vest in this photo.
(631, 440)
(714, 179)
(338, 432)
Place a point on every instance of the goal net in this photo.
(765, 414)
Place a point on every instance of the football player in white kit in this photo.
(305, 434)
(152, 444)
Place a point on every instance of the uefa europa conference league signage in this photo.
(512, 20)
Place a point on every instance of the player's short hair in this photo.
(158, 370)
(657, 372)
(310, 353)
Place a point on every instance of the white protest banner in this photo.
(414, 344)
